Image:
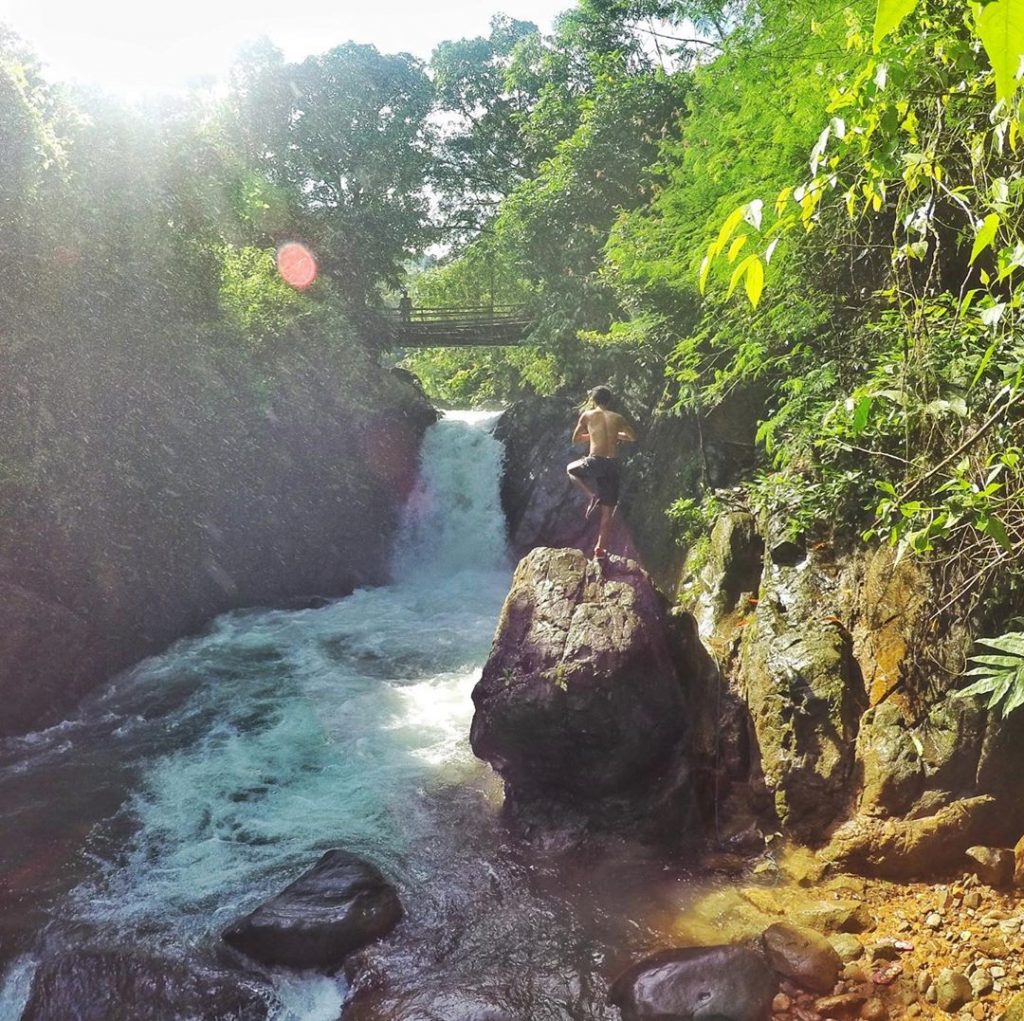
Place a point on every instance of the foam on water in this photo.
(280, 734)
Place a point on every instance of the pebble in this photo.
(874, 1010)
(781, 1002)
(972, 899)
(953, 990)
(934, 920)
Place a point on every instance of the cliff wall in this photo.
(140, 499)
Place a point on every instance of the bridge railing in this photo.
(470, 313)
(468, 326)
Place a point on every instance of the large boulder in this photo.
(111, 985)
(579, 698)
(728, 983)
(338, 906)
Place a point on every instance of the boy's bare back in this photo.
(604, 429)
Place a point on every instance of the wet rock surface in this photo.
(727, 982)
(338, 906)
(113, 985)
(579, 699)
(425, 1005)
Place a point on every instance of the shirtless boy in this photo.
(597, 474)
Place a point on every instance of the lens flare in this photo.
(297, 265)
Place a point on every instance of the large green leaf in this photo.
(1001, 28)
(985, 236)
(889, 15)
(1001, 677)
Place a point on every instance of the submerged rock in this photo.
(803, 955)
(338, 906)
(579, 699)
(723, 982)
(110, 985)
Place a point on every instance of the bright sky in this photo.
(137, 47)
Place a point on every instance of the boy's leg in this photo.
(605, 530)
(575, 471)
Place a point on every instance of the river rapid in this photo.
(206, 778)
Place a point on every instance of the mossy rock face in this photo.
(805, 697)
(732, 570)
(579, 698)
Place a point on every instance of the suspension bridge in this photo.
(471, 326)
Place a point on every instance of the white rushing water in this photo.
(246, 752)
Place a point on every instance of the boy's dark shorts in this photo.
(601, 474)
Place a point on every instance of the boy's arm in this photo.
(580, 434)
(626, 431)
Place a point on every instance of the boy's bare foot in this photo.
(591, 507)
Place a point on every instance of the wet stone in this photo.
(726, 982)
(341, 904)
(104, 985)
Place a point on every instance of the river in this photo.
(201, 781)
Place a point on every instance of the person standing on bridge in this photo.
(597, 474)
(405, 306)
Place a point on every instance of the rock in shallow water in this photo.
(338, 906)
(110, 985)
(579, 698)
(725, 982)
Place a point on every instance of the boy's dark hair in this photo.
(601, 396)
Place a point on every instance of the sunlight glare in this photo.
(297, 265)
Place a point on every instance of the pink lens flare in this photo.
(296, 264)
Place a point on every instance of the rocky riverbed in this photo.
(950, 949)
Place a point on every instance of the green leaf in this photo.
(861, 414)
(731, 222)
(889, 15)
(734, 248)
(705, 268)
(739, 272)
(755, 281)
(993, 527)
(985, 359)
(1000, 25)
(985, 236)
